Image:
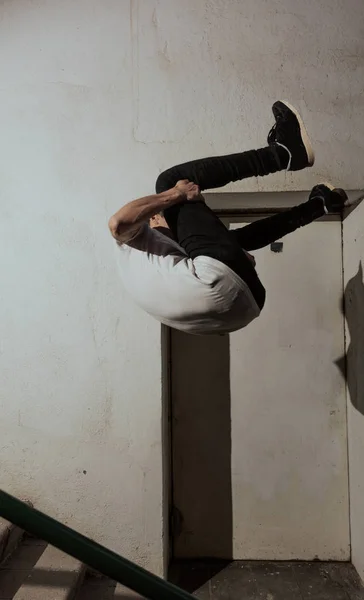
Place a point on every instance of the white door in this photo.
(259, 448)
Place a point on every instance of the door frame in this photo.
(250, 207)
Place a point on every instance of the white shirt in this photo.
(199, 296)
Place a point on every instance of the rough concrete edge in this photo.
(10, 537)
(121, 592)
(261, 201)
(81, 576)
(66, 593)
(353, 203)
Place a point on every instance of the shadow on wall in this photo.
(353, 366)
(201, 451)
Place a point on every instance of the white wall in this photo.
(354, 307)
(96, 98)
(80, 366)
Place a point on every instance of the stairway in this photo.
(31, 569)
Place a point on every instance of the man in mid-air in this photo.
(177, 259)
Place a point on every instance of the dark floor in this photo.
(260, 580)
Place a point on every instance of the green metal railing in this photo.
(90, 553)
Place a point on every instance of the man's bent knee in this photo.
(166, 180)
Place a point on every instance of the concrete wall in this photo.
(96, 98)
(81, 379)
(354, 307)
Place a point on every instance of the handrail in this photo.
(87, 551)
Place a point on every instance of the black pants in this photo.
(201, 233)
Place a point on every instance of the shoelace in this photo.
(322, 199)
(272, 134)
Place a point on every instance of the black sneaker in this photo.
(333, 199)
(290, 132)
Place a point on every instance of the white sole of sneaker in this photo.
(327, 184)
(332, 187)
(304, 134)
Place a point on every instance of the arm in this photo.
(129, 219)
(133, 215)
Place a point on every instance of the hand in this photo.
(188, 190)
(251, 258)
